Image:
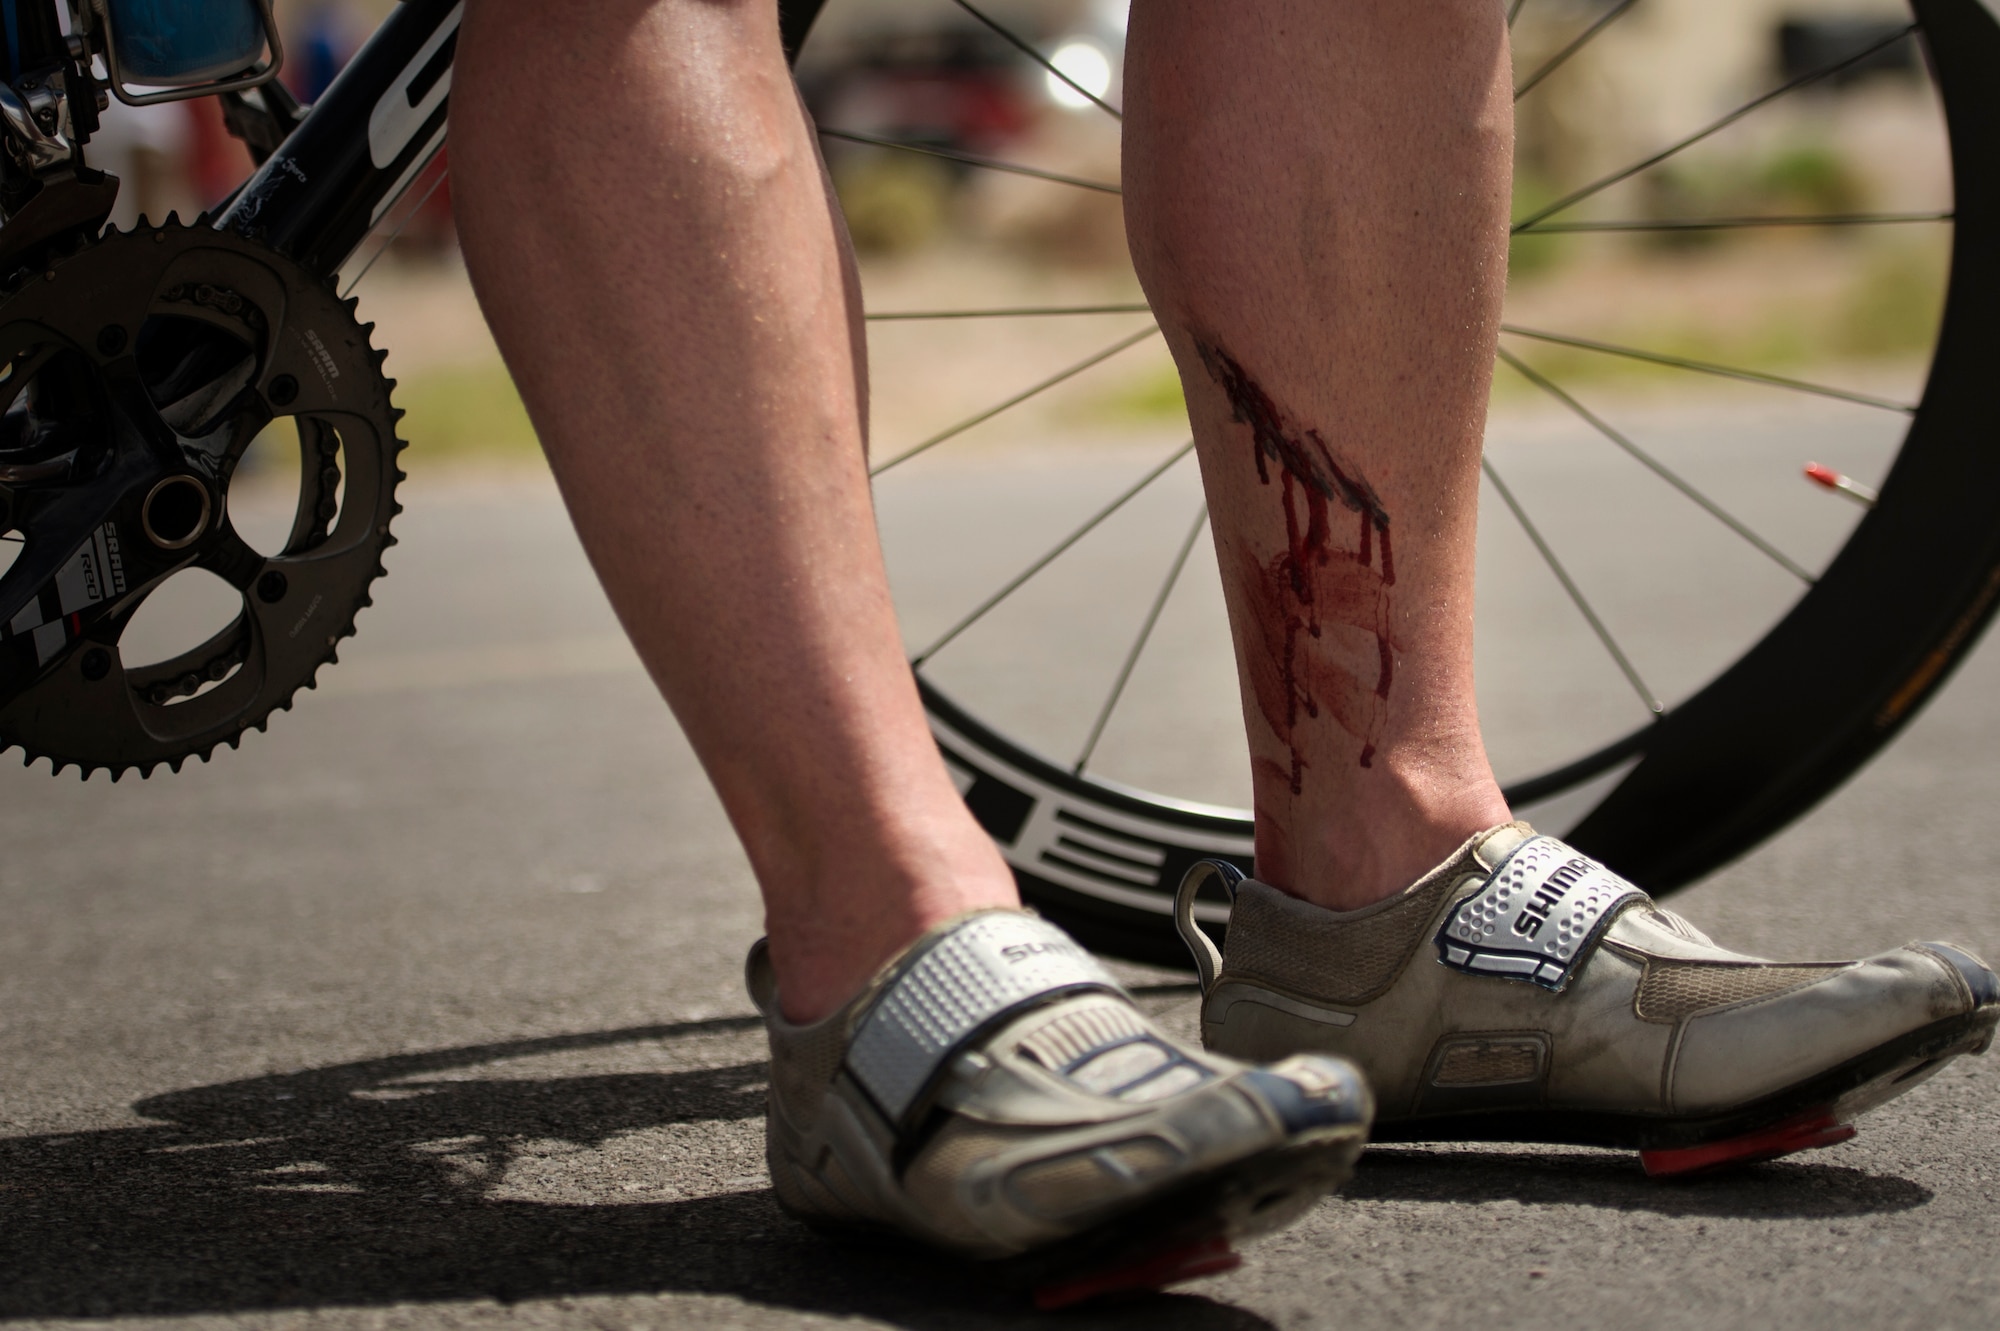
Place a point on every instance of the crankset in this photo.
(135, 371)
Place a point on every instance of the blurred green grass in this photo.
(1886, 310)
(465, 413)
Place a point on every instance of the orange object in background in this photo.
(216, 161)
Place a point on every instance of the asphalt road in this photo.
(424, 1010)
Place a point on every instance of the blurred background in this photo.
(1856, 306)
(932, 230)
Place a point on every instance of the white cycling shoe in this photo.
(994, 1093)
(1523, 992)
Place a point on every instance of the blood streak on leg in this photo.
(1311, 583)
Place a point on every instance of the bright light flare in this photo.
(1086, 63)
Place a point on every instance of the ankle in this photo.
(828, 942)
(1382, 836)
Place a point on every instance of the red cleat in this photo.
(1807, 1131)
(1210, 1257)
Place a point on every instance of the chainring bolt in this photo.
(110, 340)
(284, 391)
(96, 664)
(271, 588)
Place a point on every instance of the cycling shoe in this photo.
(1521, 991)
(993, 1092)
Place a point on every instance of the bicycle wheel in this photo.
(1800, 704)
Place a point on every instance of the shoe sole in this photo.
(1176, 1236)
(1822, 1103)
(1187, 1232)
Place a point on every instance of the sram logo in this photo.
(415, 95)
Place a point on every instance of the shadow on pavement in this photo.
(325, 1187)
(372, 1183)
(1800, 1186)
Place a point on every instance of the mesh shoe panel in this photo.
(803, 1061)
(1346, 957)
(958, 1146)
(1080, 1028)
(1488, 1063)
(1672, 990)
(1089, 1180)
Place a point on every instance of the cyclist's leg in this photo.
(1319, 190)
(646, 220)
(1317, 196)
(655, 245)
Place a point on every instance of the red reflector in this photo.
(1825, 475)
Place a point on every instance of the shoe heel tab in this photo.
(1207, 957)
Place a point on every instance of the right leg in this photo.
(647, 223)
(651, 234)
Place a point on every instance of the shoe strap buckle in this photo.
(1537, 917)
(963, 983)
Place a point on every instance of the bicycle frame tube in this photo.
(365, 141)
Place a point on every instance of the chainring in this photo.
(135, 371)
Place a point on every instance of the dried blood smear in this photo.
(1312, 582)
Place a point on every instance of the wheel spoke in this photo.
(1733, 223)
(1709, 367)
(1017, 399)
(1139, 643)
(1025, 49)
(1015, 583)
(1576, 596)
(1583, 39)
(1009, 312)
(1657, 467)
(1514, 11)
(1603, 183)
(969, 159)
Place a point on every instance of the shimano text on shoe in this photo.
(1536, 917)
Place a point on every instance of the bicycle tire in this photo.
(1764, 741)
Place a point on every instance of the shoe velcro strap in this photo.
(961, 983)
(1536, 918)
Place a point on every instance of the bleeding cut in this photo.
(1312, 583)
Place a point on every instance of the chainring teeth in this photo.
(342, 577)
